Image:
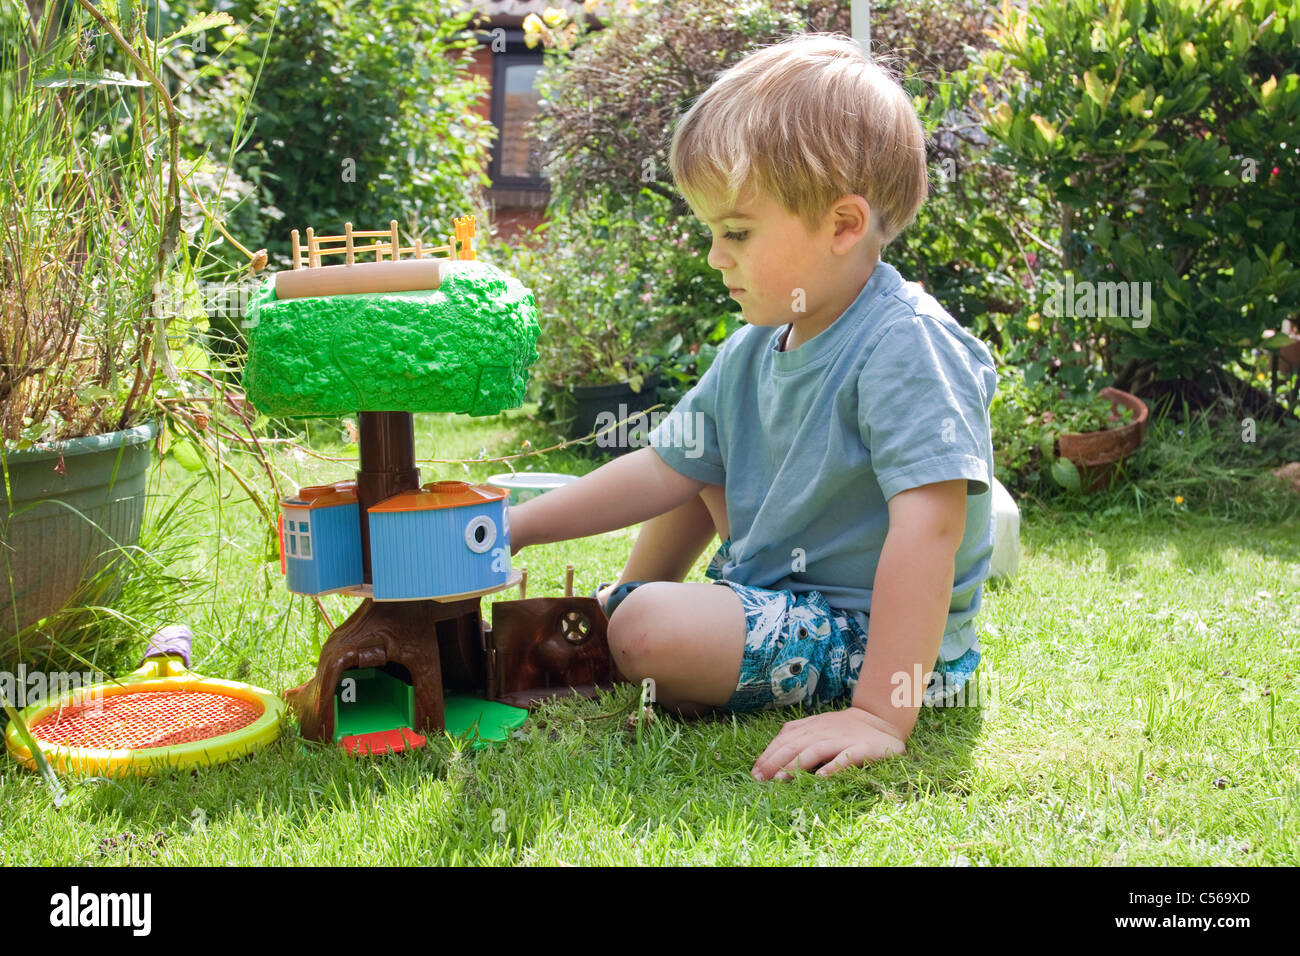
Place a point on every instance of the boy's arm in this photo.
(910, 599)
(627, 490)
(909, 608)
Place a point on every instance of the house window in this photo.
(480, 533)
(516, 159)
(297, 538)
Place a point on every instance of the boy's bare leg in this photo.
(670, 544)
(689, 638)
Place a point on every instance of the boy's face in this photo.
(776, 268)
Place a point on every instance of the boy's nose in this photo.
(718, 260)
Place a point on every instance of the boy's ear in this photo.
(854, 221)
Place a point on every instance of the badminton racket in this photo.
(161, 716)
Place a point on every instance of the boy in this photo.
(846, 456)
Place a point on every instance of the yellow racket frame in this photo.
(157, 674)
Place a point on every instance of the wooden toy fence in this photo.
(460, 244)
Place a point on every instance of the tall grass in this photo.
(100, 318)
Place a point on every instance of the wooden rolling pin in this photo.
(405, 275)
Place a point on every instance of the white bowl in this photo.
(523, 485)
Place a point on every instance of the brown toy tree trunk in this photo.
(408, 633)
(387, 466)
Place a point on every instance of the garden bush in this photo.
(610, 96)
(1163, 133)
(623, 291)
(973, 243)
(362, 114)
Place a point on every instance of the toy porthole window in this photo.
(297, 536)
(575, 627)
(480, 534)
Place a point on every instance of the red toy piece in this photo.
(382, 742)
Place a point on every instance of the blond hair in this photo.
(806, 120)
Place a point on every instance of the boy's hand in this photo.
(831, 741)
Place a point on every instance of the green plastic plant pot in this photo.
(63, 526)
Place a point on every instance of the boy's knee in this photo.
(632, 632)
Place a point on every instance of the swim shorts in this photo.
(800, 650)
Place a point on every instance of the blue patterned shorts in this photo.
(800, 650)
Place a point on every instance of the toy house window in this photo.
(297, 536)
(480, 534)
(516, 159)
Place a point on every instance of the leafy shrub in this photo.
(610, 96)
(363, 114)
(972, 245)
(623, 290)
(1164, 133)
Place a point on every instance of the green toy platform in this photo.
(374, 713)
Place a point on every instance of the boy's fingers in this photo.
(788, 742)
(794, 739)
(778, 755)
(850, 757)
(811, 757)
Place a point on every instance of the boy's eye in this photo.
(736, 236)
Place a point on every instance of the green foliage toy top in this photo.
(465, 347)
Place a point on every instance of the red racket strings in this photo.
(139, 720)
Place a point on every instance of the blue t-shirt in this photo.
(809, 445)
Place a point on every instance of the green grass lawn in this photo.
(1138, 706)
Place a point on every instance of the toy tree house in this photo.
(438, 331)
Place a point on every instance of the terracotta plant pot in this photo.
(1096, 454)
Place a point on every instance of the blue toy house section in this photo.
(333, 540)
(421, 554)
